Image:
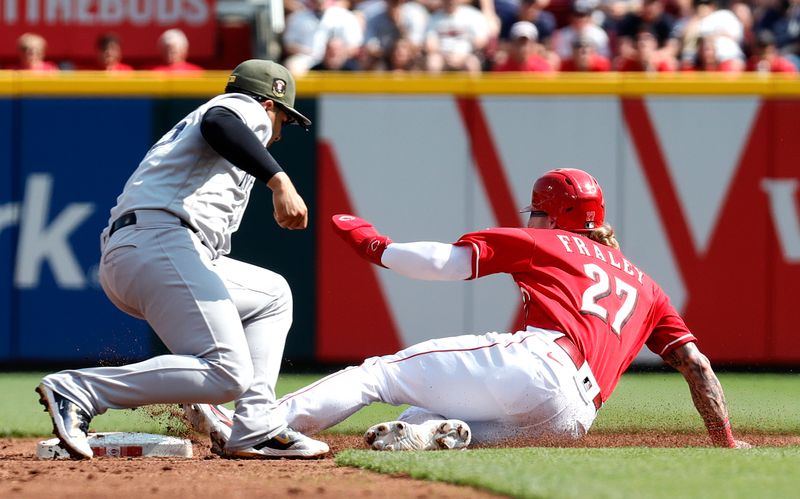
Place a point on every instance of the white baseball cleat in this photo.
(70, 422)
(216, 421)
(208, 418)
(289, 444)
(432, 435)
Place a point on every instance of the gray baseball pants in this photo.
(224, 321)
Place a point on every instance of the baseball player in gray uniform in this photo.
(163, 260)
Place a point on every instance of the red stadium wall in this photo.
(747, 280)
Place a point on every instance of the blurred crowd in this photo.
(540, 36)
(173, 48)
(476, 36)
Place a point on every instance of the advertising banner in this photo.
(74, 157)
(9, 212)
(71, 27)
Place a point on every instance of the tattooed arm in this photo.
(706, 392)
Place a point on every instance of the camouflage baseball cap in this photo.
(270, 80)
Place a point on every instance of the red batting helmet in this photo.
(572, 197)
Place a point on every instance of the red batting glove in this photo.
(362, 236)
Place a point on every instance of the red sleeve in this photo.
(538, 64)
(625, 65)
(729, 66)
(600, 63)
(502, 67)
(784, 66)
(502, 250)
(664, 67)
(670, 330)
(568, 65)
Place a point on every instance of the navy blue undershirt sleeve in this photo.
(227, 134)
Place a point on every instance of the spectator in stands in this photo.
(308, 31)
(719, 26)
(386, 22)
(766, 13)
(787, 33)
(681, 10)
(524, 51)
(766, 58)
(109, 54)
(584, 58)
(581, 26)
(298, 36)
(490, 14)
(744, 14)
(507, 12)
(431, 5)
(403, 56)
(610, 14)
(707, 59)
(173, 46)
(645, 56)
(545, 22)
(336, 58)
(31, 49)
(457, 34)
(652, 18)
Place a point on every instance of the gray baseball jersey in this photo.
(181, 174)
(224, 321)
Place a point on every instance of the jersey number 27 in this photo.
(626, 293)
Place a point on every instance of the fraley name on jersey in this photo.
(577, 243)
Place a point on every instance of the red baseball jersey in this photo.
(533, 64)
(606, 305)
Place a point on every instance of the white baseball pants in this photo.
(503, 385)
(224, 321)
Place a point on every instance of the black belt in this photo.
(130, 219)
(578, 359)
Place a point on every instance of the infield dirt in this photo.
(206, 475)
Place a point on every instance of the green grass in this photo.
(595, 473)
(767, 403)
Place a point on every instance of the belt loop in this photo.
(579, 360)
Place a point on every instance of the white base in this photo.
(122, 444)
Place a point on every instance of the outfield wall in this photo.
(700, 175)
